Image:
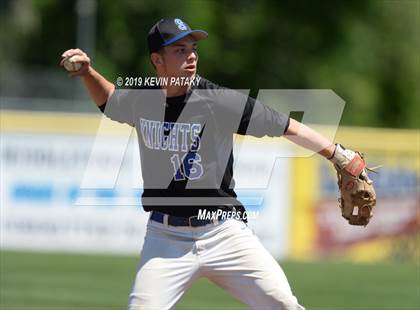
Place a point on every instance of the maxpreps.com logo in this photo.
(181, 25)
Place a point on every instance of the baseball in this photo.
(71, 65)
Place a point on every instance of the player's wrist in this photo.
(328, 152)
(87, 71)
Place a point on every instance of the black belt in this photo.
(173, 220)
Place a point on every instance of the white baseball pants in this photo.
(228, 254)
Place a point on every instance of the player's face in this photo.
(180, 58)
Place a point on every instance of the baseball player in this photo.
(185, 128)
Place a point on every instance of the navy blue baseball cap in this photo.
(169, 30)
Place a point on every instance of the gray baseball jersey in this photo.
(186, 142)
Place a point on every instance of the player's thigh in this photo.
(167, 268)
(246, 269)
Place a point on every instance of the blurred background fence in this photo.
(46, 155)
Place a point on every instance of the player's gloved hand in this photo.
(357, 195)
(79, 56)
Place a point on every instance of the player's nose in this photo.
(192, 56)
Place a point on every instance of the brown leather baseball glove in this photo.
(357, 195)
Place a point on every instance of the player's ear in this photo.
(156, 59)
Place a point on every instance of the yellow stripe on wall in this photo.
(55, 122)
(385, 139)
(84, 123)
(305, 184)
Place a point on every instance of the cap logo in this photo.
(180, 24)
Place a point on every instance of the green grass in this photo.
(64, 281)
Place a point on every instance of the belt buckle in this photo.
(204, 222)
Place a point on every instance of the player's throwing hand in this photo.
(78, 60)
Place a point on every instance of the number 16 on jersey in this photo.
(189, 167)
